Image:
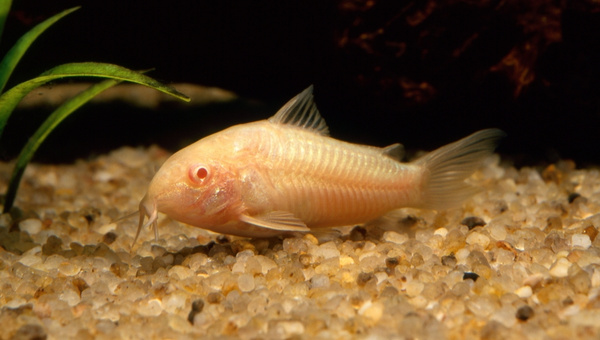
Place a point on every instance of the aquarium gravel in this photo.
(520, 260)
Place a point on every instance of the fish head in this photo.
(196, 185)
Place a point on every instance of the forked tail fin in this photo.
(447, 168)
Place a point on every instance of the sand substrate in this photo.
(521, 260)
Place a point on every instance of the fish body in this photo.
(285, 174)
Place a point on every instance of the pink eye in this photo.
(201, 173)
(198, 173)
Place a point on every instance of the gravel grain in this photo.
(519, 260)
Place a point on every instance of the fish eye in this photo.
(198, 173)
(201, 173)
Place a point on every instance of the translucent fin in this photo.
(276, 220)
(149, 210)
(301, 111)
(326, 235)
(447, 168)
(394, 151)
(130, 215)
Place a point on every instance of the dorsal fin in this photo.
(394, 151)
(302, 112)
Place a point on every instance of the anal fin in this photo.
(276, 220)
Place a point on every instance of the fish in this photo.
(286, 174)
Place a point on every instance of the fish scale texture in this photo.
(331, 175)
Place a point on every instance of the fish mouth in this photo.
(147, 209)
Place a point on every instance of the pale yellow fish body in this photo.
(286, 175)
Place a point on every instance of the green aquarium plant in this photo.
(9, 99)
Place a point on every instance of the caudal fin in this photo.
(447, 168)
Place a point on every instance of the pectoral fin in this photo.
(276, 220)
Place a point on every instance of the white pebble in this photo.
(418, 301)
(68, 181)
(103, 176)
(239, 265)
(152, 307)
(394, 237)
(47, 178)
(68, 269)
(70, 297)
(326, 251)
(478, 238)
(414, 288)
(112, 284)
(15, 303)
(52, 262)
(372, 310)
(581, 240)
(196, 261)
(133, 158)
(533, 280)
(31, 226)
(346, 260)
(461, 255)
(105, 229)
(246, 282)
(441, 231)
(288, 328)
(482, 305)
(571, 310)
(180, 272)
(31, 260)
(178, 324)
(560, 268)
(319, 280)
(524, 292)
(174, 301)
(381, 277)
(244, 254)
(266, 263)
(505, 315)
(498, 232)
(586, 318)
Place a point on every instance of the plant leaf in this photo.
(13, 56)
(10, 99)
(44, 130)
(4, 9)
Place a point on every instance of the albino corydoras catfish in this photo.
(285, 174)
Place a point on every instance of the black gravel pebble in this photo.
(472, 222)
(470, 275)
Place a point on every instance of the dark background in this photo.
(423, 73)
